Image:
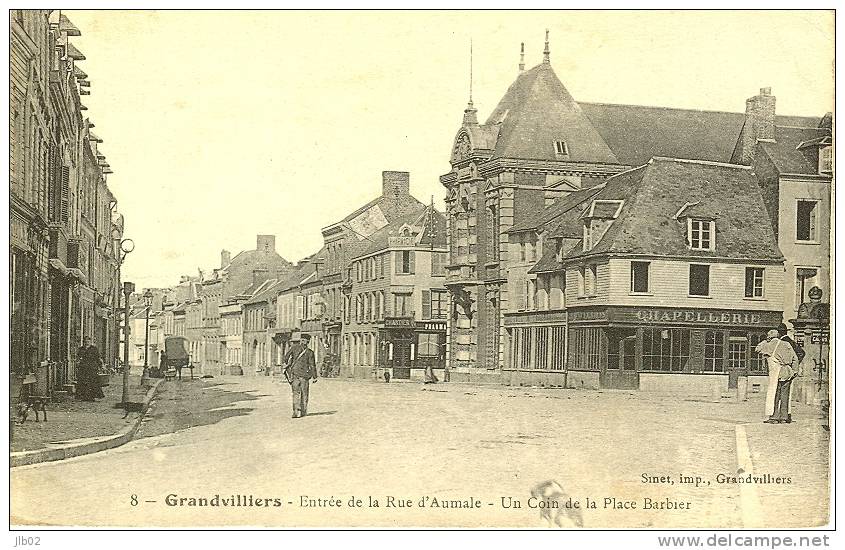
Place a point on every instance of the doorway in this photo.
(620, 371)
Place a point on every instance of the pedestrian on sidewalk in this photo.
(783, 364)
(300, 370)
(87, 377)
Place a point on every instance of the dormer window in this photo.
(561, 149)
(826, 159)
(701, 234)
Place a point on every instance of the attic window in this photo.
(561, 149)
(701, 234)
(826, 160)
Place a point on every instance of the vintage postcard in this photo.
(436, 269)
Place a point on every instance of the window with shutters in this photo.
(405, 262)
(438, 261)
(806, 220)
(402, 305)
(300, 308)
(826, 160)
(426, 304)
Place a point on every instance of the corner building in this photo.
(538, 148)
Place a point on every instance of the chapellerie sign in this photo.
(661, 315)
(693, 316)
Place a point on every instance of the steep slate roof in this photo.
(784, 152)
(378, 241)
(554, 211)
(536, 111)
(305, 269)
(654, 193)
(636, 133)
(267, 290)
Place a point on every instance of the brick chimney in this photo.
(266, 243)
(395, 186)
(225, 258)
(759, 123)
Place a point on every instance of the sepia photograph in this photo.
(276, 270)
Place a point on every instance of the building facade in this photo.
(395, 300)
(65, 230)
(655, 282)
(539, 154)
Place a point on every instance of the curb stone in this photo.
(124, 436)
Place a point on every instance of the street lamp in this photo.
(128, 289)
(148, 302)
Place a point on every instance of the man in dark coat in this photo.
(87, 376)
(300, 369)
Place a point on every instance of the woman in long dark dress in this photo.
(87, 378)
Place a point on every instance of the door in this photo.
(402, 355)
(621, 369)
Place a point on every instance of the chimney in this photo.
(266, 243)
(395, 185)
(225, 258)
(759, 123)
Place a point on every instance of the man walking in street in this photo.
(300, 369)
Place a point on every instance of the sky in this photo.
(223, 125)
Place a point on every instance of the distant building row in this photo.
(373, 297)
(65, 231)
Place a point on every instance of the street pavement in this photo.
(449, 442)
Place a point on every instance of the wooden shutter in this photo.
(65, 190)
(397, 259)
(411, 255)
(426, 304)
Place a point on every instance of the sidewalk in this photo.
(79, 427)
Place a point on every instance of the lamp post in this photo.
(128, 289)
(125, 246)
(148, 302)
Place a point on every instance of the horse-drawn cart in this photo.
(176, 357)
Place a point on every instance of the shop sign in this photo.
(399, 322)
(588, 315)
(697, 316)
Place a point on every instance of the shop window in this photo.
(639, 276)
(665, 350)
(701, 234)
(756, 362)
(699, 280)
(542, 356)
(557, 343)
(714, 349)
(806, 217)
(754, 277)
(525, 348)
(429, 345)
(737, 350)
(586, 346)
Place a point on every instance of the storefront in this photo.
(407, 347)
(536, 348)
(667, 349)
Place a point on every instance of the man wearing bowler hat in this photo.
(301, 369)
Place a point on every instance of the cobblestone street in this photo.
(449, 441)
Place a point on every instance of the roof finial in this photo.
(546, 51)
(470, 71)
(521, 56)
(470, 117)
